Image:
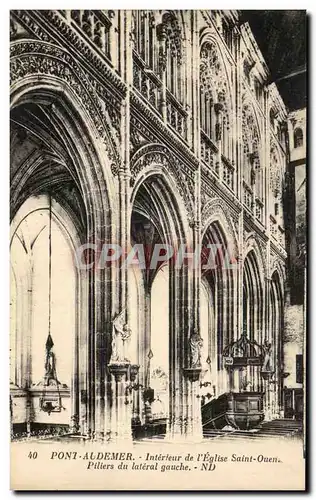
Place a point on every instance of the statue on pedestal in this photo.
(121, 334)
(195, 344)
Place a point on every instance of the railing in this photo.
(247, 197)
(146, 83)
(208, 153)
(228, 173)
(94, 24)
(149, 85)
(176, 115)
(273, 227)
(259, 210)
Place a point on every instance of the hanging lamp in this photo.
(48, 402)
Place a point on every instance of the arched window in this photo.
(171, 37)
(214, 101)
(298, 138)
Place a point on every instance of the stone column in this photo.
(120, 415)
(218, 136)
(161, 35)
(119, 367)
(193, 419)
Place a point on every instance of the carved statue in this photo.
(267, 362)
(121, 333)
(195, 344)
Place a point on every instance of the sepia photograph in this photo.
(158, 249)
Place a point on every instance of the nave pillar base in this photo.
(186, 425)
(121, 409)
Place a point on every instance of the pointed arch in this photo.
(253, 174)
(54, 103)
(217, 210)
(216, 94)
(251, 243)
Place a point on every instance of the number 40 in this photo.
(32, 454)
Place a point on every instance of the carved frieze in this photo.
(139, 135)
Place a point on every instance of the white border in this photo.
(310, 6)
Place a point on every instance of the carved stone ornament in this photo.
(162, 156)
(216, 209)
(250, 134)
(213, 79)
(275, 172)
(41, 58)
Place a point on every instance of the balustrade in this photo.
(248, 195)
(176, 115)
(146, 83)
(95, 25)
(259, 210)
(208, 153)
(228, 173)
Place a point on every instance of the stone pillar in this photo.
(161, 35)
(218, 136)
(120, 411)
(193, 428)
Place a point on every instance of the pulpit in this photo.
(240, 410)
(243, 409)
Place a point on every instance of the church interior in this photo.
(149, 129)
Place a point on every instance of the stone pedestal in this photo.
(187, 425)
(121, 410)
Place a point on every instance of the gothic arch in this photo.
(208, 37)
(252, 145)
(251, 243)
(277, 267)
(216, 210)
(216, 95)
(251, 108)
(157, 160)
(42, 67)
(253, 296)
(81, 144)
(25, 313)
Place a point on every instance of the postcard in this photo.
(158, 249)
